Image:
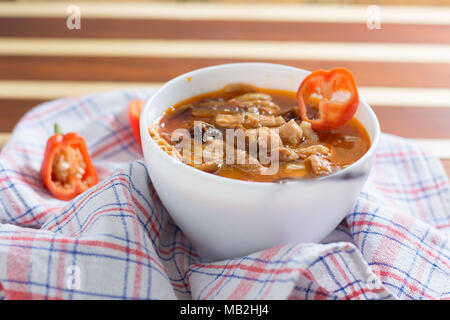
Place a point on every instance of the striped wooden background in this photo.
(403, 69)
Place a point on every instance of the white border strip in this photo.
(25, 89)
(345, 51)
(406, 97)
(230, 11)
(377, 96)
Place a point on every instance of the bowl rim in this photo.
(205, 175)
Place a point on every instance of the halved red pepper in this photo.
(67, 169)
(134, 112)
(334, 96)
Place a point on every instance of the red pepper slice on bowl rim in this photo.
(134, 112)
(67, 169)
(333, 94)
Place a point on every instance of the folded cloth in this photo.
(117, 240)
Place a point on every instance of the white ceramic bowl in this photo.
(227, 218)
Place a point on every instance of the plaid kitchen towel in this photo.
(117, 241)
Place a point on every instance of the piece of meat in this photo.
(308, 131)
(247, 163)
(319, 165)
(257, 101)
(264, 143)
(184, 108)
(229, 120)
(201, 130)
(207, 166)
(253, 96)
(213, 151)
(291, 133)
(210, 108)
(266, 107)
(252, 120)
(318, 149)
(248, 120)
(212, 155)
(264, 138)
(286, 154)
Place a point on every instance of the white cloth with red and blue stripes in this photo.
(117, 241)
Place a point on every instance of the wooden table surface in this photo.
(403, 69)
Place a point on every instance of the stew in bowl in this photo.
(216, 139)
(267, 118)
